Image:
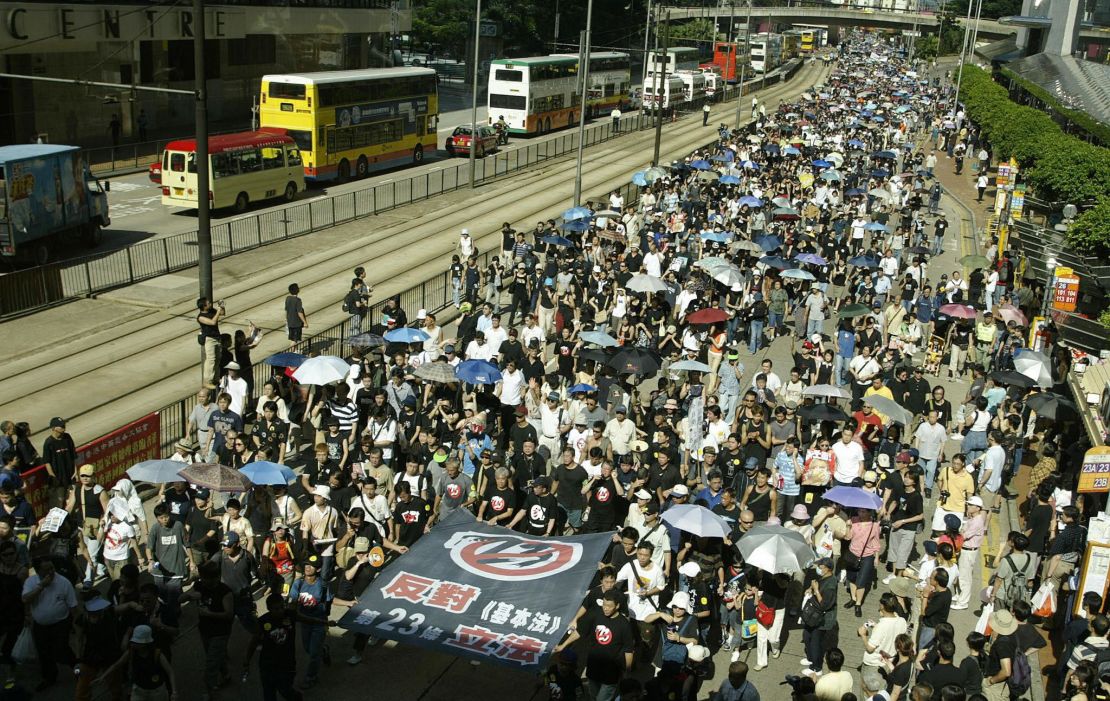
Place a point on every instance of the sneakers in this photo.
(958, 607)
(759, 667)
(735, 656)
(354, 659)
(726, 646)
(888, 579)
(805, 662)
(843, 575)
(775, 653)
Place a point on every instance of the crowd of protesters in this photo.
(816, 230)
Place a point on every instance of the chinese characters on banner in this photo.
(1065, 290)
(113, 453)
(1094, 475)
(481, 592)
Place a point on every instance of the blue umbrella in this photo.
(723, 157)
(776, 262)
(406, 335)
(903, 108)
(768, 242)
(751, 201)
(863, 262)
(581, 387)
(856, 143)
(285, 360)
(478, 372)
(716, 236)
(830, 175)
(852, 192)
(791, 151)
(876, 226)
(796, 274)
(577, 213)
(266, 472)
(877, 118)
(575, 225)
(749, 165)
(853, 498)
(729, 180)
(811, 258)
(556, 240)
(599, 338)
(889, 155)
(880, 173)
(821, 163)
(771, 148)
(700, 164)
(639, 179)
(156, 471)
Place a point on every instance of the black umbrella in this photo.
(600, 355)
(635, 361)
(1052, 406)
(823, 412)
(919, 250)
(1010, 377)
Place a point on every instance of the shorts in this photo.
(295, 333)
(574, 518)
(901, 544)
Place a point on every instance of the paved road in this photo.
(132, 350)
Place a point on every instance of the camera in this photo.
(220, 304)
(944, 495)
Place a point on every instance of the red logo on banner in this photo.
(511, 557)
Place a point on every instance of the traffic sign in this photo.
(910, 33)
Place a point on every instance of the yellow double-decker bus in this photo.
(347, 123)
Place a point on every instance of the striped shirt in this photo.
(346, 414)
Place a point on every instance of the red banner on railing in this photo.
(113, 453)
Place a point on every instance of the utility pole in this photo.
(584, 73)
(960, 68)
(204, 223)
(661, 86)
(647, 37)
(474, 92)
(748, 58)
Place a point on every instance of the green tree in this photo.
(927, 47)
(1089, 234)
(698, 29)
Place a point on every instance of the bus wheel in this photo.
(418, 154)
(362, 168)
(241, 202)
(93, 235)
(42, 254)
(344, 171)
(290, 192)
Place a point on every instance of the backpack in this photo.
(1021, 675)
(1102, 661)
(813, 614)
(1017, 584)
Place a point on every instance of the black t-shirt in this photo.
(1039, 522)
(499, 500)
(570, 486)
(271, 436)
(411, 518)
(940, 675)
(943, 409)
(351, 589)
(606, 641)
(62, 456)
(199, 525)
(907, 506)
(180, 504)
(617, 557)
(212, 598)
(564, 351)
(1004, 647)
(278, 642)
(603, 506)
(936, 611)
(900, 677)
(1028, 637)
(538, 511)
(664, 478)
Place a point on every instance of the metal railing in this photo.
(33, 288)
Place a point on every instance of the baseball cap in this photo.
(883, 460)
(952, 522)
(871, 476)
(975, 501)
(362, 544)
(689, 569)
(449, 348)
(642, 494)
(230, 538)
(553, 396)
(904, 456)
(622, 410)
(825, 562)
(521, 410)
(202, 493)
(542, 481)
(680, 490)
(86, 471)
(57, 422)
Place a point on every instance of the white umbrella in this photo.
(890, 408)
(322, 370)
(775, 549)
(689, 365)
(826, 391)
(697, 520)
(727, 276)
(646, 283)
(711, 262)
(1035, 366)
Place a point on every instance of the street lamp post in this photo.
(204, 223)
(584, 72)
(744, 65)
(660, 85)
(963, 49)
(474, 93)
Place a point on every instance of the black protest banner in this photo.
(480, 592)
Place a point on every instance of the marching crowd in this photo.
(605, 370)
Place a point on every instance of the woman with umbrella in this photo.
(859, 559)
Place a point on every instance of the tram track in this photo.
(96, 381)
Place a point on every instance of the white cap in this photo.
(642, 494)
(689, 569)
(975, 501)
(322, 490)
(422, 314)
(680, 490)
(816, 338)
(682, 600)
(466, 232)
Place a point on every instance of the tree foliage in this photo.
(697, 29)
(1089, 234)
(992, 9)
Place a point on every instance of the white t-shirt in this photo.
(930, 439)
(117, 541)
(237, 388)
(849, 457)
(511, 385)
(648, 578)
(478, 351)
(620, 434)
(495, 336)
(534, 332)
(882, 638)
